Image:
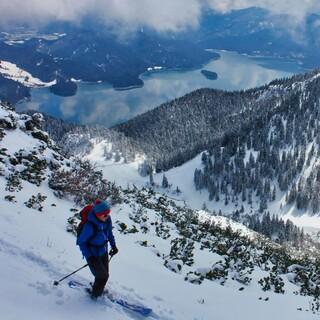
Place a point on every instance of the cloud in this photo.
(161, 15)
(288, 16)
(164, 15)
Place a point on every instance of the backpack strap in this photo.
(95, 231)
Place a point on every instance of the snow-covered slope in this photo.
(36, 249)
(11, 71)
(125, 174)
(180, 263)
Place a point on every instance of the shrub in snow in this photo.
(182, 249)
(143, 243)
(3, 153)
(35, 171)
(13, 183)
(2, 134)
(73, 223)
(174, 265)
(38, 120)
(121, 226)
(194, 278)
(10, 198)
(272, 282)
(2, 169)
(35, 202)
(29, 125)
(162, 230)
(133, 229)
(41, 136)
(8, 122)
(84, 184)
(315, 305)
(29, 165)
(217, 271)
(138, 215)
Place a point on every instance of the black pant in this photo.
(99, 267)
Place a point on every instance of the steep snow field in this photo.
(35, 250)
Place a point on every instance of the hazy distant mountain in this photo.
(256, 31)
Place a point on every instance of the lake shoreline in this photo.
(101, 103)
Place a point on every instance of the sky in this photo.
(160, 15)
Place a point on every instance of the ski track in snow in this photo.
(62, 292)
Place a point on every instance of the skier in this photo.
(93, 243)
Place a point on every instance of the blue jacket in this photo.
(97, 245)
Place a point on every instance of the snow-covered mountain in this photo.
(184, 264)
(237, 153)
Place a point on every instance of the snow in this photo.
(18, 140)
(304, 220)
(225, 222)
(119, 172)
(36, 249)
(11, 71)
(13, 42)
(75, 80)
(155, 68)
(126, 174)
(3, 113)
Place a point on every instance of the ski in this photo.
(140, 309)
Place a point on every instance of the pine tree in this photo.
(165, 183)
(151, 181)
(117, 157)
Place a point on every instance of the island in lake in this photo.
(209, 74)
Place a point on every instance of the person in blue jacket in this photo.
(93, 242)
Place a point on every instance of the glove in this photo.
(113, 251)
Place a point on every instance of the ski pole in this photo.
(57, 282)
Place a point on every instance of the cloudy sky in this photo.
(161, 15)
